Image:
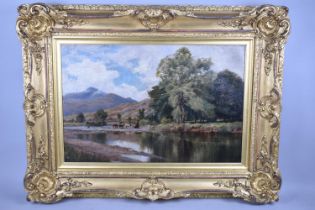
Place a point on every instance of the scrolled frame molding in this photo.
(37, 24)
(271, 24)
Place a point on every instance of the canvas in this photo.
(153, 103)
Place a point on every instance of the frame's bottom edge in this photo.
(194, 195)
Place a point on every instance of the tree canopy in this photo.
(228, 94)
(189, 90)
(100, 117)
(80, 118)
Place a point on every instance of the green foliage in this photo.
(228, 93)
(165, 120)
(159, 103)
(214, 127)
(189, 90)
(80, 118)
(129, 120)
(119, 117)
(100, 117)
(179, 94)
(141, 114)
(144, 122)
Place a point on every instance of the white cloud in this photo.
(80, 76)
(148, 58)
(126, 91)
(77, 52)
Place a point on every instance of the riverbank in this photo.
(215, 127)
(106, 128)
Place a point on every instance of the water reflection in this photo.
(172, 146)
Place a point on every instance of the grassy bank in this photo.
(73, 124)
(215, 127)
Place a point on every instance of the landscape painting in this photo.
(146, 103)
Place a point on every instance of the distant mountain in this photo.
(89, 93)
(90, 100)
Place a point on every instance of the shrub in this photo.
(165, 120)
(144, 122)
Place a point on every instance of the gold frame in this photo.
(264, 31)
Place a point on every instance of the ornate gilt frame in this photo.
(256, 179)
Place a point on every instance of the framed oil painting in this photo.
(152, 102)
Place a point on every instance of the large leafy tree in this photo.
(190, 90)
(179, 92)
(228, 90)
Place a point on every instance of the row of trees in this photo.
(100, 118)
(190, 91)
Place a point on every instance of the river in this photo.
(170, 147)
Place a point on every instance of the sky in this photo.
(130, 70)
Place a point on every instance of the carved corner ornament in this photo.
(42, 184)
(37, 21)
(270, 23)
(45, 187)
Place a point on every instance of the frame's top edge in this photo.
(179, 7)
(113, 7)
